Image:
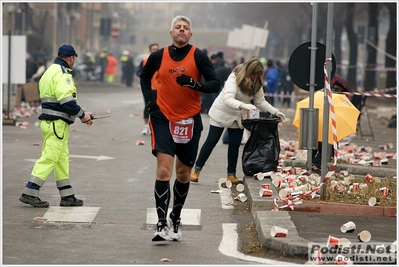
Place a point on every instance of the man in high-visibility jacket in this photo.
(59, 110)
(124, 58)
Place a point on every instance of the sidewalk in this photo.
(312, 223)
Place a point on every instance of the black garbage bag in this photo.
(261, 152)
(392, 122)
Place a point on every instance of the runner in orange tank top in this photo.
(175, 119)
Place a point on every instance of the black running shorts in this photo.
(161, 139)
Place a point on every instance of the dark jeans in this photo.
(235, 136)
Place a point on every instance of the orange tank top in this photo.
(154, 80)
(178, 102)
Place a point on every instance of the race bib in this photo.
(182, 131)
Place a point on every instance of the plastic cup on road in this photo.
(242, 197)
(373, 201)
(265, 192)
(332, 241)
(226, 184)
(364, 236)
(393, 247)
(259, 176)
(348, 227)
(240, 188)
(344, 243)
(266, 186)
(283, 193)
(278, 231)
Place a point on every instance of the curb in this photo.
(346, 209)
(352, 169)
(293, 244)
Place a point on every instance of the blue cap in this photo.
(66, 51)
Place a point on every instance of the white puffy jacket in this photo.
(226, 107)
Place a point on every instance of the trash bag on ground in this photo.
(392, 122)
(261, 152)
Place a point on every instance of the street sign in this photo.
(115, 33)
(299, 66)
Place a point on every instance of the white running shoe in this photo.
(162, 233)
(146, 130)
(174, 229)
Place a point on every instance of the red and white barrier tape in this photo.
(371, 94)
(376, 93)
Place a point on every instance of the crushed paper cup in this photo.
(240, 188)
(140, 142)
(364, 236)
(393, 247)
(283, 193)
(266, 186)
(344, 243)
(348, 227)
(278, 231)
(265, 192)
(241, 197)
(332, 241)
(259, 176)
(226, 184)
(373, 201)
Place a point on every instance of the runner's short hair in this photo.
(179, 18)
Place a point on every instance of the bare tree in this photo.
(391, 46)
(350, 14)
(370, 82)
(338, 23)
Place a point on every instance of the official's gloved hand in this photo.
(281, 116)
(188, 81)
(247, 106)
(152, 106)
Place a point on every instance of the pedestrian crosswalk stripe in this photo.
(71, 214)
(188, 216)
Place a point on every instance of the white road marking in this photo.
(228, 247)
(225, 198)
(71, 214)
(98, 158)
(188, 216)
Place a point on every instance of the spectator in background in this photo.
(102, 61)
(286, 83)
(129, 69)
(110, 70)
(207, 99)
(40, 53)
(31, 67)
(40, 70)
(124, 58)
(272, 80)
(154, 86)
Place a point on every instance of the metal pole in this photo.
(63, 23)
(312, 83)
(326, 107)
(9, 75)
